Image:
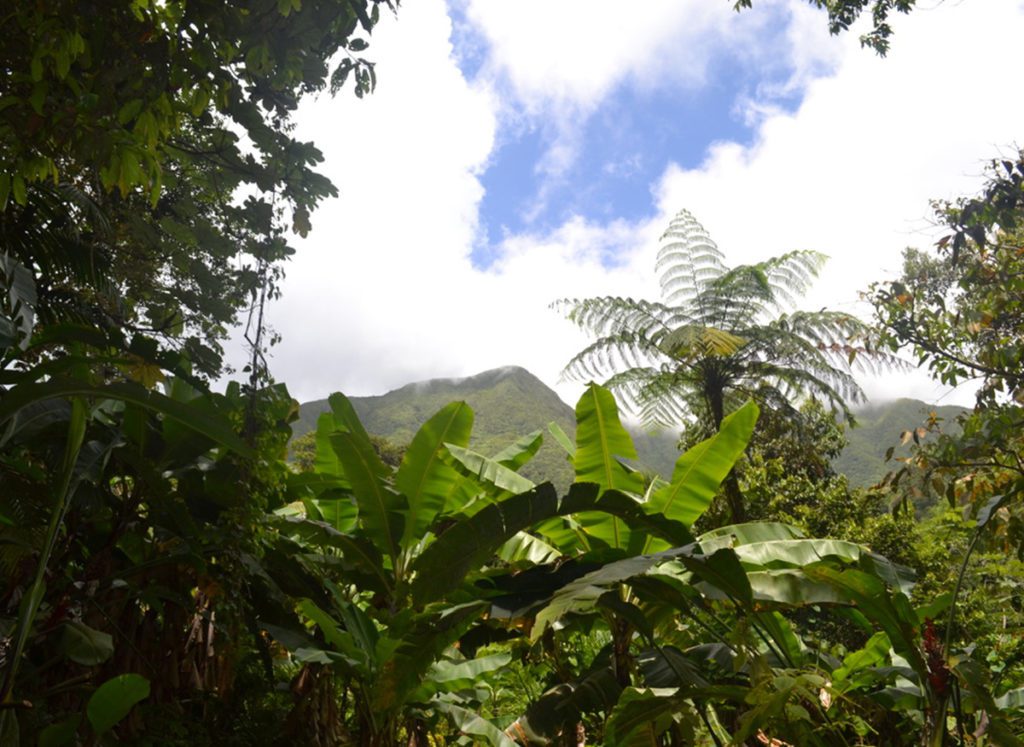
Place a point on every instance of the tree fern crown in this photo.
(720, 335)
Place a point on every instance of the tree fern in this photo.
(720, 335)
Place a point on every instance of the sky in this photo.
(520, 151)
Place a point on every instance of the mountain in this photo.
(878, 427)
(508, 403)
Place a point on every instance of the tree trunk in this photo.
(737, 511)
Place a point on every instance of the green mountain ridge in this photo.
(879, 427)
(510, 402)
(507, 402)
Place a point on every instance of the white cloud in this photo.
(556, 62)
(851, 171)
(379, 276)
(572, 53)
(384, 291)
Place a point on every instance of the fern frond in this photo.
(721, 333)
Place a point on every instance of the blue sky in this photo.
(520, 151)
(624, 146)
(620, 149)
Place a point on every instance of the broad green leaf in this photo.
(641, 715)
(359, 552)
(340, 512)
(487, 471)
(699, 472)
(786, 642)
(896, 576)
(875, 651)
(526, 548)
(301, 485)
(341, 640)
(934, 608)
(293, 640)
(380, 508)
(357, 622)
(608, 529)
(84, 645)
(473, 724)
(341, 417)
(792, 588)
(722, 570)
(424, 478)
(594, 511)
(421, 644)
(344, 416)
(878, 604)
(561, 707)
(582, 594)
(735, 535)
(327, 461)
(600, 439)
(1012, 700)
(563, 533)
(796, 552)
(562, 439)
(61, 734)
(517, 454)
(449, 676)
(468, 544)
(114, 700)
(590, 519)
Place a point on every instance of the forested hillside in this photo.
(880, 427)
(510, 402)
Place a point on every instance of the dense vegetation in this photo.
(169, 577)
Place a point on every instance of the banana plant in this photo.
(420, 556)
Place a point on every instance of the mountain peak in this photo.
(484, 380)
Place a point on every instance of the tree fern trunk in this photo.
(737, 510)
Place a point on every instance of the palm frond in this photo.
(654, 395)
(837, 390)
(791, 274)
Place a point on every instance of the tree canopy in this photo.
(127, 133)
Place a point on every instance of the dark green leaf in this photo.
(86, 646)
(114, 700)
